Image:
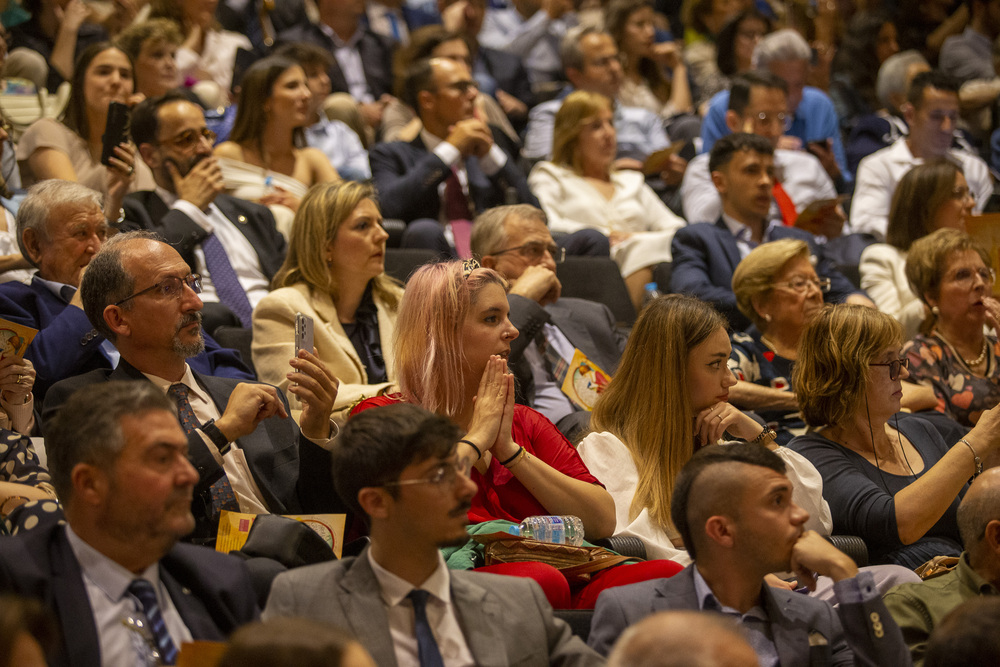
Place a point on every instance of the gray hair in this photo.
(569, 48)
(780, 46)
(106, 281)
(489, 232)
(42, 199)
(892, 75)
(87, 428)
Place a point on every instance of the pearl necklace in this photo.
(968, 362)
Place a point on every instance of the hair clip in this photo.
(468, 266)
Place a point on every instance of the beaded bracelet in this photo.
(479, 452)
(979, 461)
(516, 454)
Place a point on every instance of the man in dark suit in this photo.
(122, 588)
(706, 254)
(249, 454)
(453, 169)
(733, 508)
(515, 241)
(232, 243)
(400, 465)
(61, 226)
(260, 20)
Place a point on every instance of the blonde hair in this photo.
(927, 259)
(754, 275)
(832, 373)
(658, 428)
(321, 213)
(576, 110)
(428, 338)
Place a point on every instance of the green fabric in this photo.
(464, 557)
(918, 608)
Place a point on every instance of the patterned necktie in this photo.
(223, 496)
(143, 591)
(430, 655)
(227, 285)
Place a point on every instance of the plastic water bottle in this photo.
(650, 293)
(555, 529)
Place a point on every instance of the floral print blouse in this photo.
(961, 395)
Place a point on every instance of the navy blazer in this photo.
(376, 56)
(211, 591)
(806, 631)
(283, 462)
(589, 326)
(705, 255)
(67, 344)
(145, 210)
(407, 175)
(509, 73)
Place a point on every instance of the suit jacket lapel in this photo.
(191, 609)
(72, 604)
(479, 616)
(577, 334)
(791, 636)
(327, 314)
(728, 242)
(364, 610)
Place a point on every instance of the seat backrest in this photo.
(236, 338)
(400, 263)
(597, 279)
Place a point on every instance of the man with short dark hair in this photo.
(232, 243)
(515, 241)
(706, 254)
(125, 592)
(452, 170)
(931, 111)
(920, 607)
(404, 469)
(733, 508)
(60, 226)
(249, 454)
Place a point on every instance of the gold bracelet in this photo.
(3, 513)
(520, 456)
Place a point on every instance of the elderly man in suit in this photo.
(404, 468)
(733, 508)
(706, 254)
(233, 244)
(453, 169)
(515, 241)
(124, 591)
(248, 453)
(61, 226)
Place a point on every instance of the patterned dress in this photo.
(753, 361)
(961, 395)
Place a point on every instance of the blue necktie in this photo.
(430, 655)
(227, 285)
(143, 591)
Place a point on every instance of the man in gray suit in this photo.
(732, 506)
(515, 241)
(402, 467)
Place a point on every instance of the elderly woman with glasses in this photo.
(776, 287)
(953, 354)
(893, 479)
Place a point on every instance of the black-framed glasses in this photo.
(443, 475)
(802, 284)
(894, 367)
(534, 250)
(189, 139)
(171, 287)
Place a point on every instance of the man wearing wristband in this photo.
(733, 508)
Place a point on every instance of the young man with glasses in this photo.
(141, 295)
(232, 243)
(401, 468)
(515, 241)
(706, 254)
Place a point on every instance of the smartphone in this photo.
(303, 333)
(115, 131)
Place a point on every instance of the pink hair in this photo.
(428, 337)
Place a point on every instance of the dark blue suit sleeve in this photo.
(692, 275)
(406, 192)
(221, 362)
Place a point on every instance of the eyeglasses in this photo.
(463, 87)
(894, 366)
(189, 139)
(171, 287)
(801, 285)
(443, 475)
(966, 277)
(961, 193)
(784, 119)
(534, 251)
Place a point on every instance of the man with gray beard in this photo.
(248, 452)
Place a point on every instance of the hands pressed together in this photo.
(493, 414)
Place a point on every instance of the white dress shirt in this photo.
(440, 615)
(106, 583)
(242, 256)
(349, 59)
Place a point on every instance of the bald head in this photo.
(683, 639)
(979, 509)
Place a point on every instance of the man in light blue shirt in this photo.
(531, 30)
